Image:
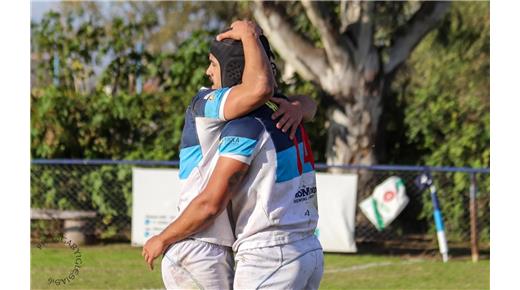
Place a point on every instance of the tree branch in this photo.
(317, 13)
(306, 59)
(349, 12)
(366, 30)
(409, 35)
(343, 16)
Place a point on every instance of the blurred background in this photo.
(400, 84)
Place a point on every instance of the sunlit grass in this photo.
(120, 266)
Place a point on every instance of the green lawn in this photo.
(121, 266)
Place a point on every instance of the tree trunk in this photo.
(353, 129)
(351, 134)
(349, 66)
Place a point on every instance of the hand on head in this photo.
(240, 29)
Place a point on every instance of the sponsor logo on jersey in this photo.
(234, 140)
(304, 193)
(210, 96)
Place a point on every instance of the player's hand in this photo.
(291, 113)
(240, 29)
(153, 248)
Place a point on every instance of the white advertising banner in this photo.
(155, 194)
(337, 210)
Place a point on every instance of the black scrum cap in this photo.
(230, 55)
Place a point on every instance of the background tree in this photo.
(351, 50)
(112, 80)
(85, 103)
(438, 111)
(448, 77)
(85, 99)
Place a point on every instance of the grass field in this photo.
(120, 266)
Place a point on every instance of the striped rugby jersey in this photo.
(203, 122)
(276, 202)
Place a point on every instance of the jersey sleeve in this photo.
(240, 139)
(210, 103)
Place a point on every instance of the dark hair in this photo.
(230, 55)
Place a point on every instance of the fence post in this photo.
(473, 217)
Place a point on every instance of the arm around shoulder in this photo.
(257, 79)
(308, 106)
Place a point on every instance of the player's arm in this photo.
(240, 141)
(293, 112)
(257, 80)
(202, 210)
(307, 106)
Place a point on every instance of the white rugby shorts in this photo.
(298, 265)
(194, 264)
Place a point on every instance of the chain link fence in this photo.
(104, 188)
(413, 231)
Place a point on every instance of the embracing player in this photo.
(251, 163)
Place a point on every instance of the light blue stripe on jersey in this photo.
(212, 107)
(237, 145)
(287, 164)
(189, 159)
